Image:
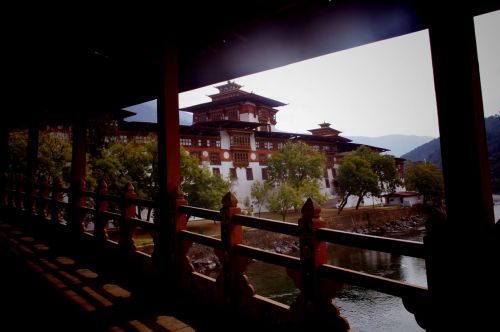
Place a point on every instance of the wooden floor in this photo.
(44, 288)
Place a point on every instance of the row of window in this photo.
(200, 142)
(268, 145)
(240, 141)
(232, 114)
(241, 157)
(234, 176)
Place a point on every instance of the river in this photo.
(366, 310)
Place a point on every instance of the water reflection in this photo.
(365, 309)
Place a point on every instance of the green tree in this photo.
(362, 172)
(260, 193)
(296, 164)
(427, 179)
(18, 144)
(202, 189)
(283, 199)
(123, 162)
(54, 155)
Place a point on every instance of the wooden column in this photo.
(32, 161)
(168, 161)
(4, 153)
(460, 245)
(78, 165)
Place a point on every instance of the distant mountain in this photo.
(398, 144)
(432, 151)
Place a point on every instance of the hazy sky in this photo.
(372, 90)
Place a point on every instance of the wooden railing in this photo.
(318, 281)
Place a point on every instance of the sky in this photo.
(376, 89)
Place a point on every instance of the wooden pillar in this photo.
(168, 161)
(4, 153)
(32, 161)
(460, 244)
(78, 166)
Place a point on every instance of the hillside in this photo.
(431, 152)
(397, 144)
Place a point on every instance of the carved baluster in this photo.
(43, 195)
(57, 197)
(20, 193)
(185, 267)
(79, 223)
(31, 199)
(11, 201)
(235, 284)
(101, 221)
(5, 190)
(314, 307)
(127, 230)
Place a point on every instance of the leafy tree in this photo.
(311, 190)
(295, 171)
(124, 162)
(260, 193)
(362, 172)
(427, 179)
(18, 144)
(355, 177)
(202, 189)
(296, 164)
(54, 155)
(283, 199)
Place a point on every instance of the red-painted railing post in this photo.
(182, 262)
(101, 206)
(314, 307)
(57, 198)
(77, 223)
(127, 230)
(233, 281)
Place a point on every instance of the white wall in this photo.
(248, 117)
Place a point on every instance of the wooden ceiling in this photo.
(66, 62)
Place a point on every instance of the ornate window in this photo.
(262, 159)
(214, 158)
(233, 114)
(241, 141)
(186, 141)
(215, 142)
(264, 174)
(232, 174)
(240, 158)
(216, 171)
(249, 174)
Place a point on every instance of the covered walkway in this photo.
(46, 286)
(113, 60)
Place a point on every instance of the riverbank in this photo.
(368, 221)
